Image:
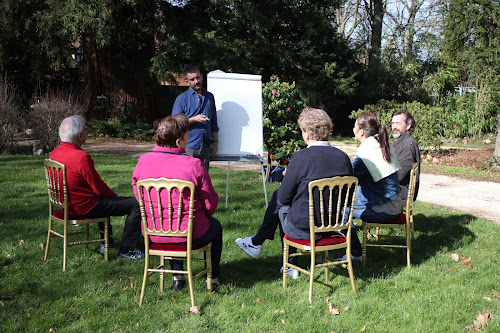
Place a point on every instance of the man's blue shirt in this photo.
(191, 105)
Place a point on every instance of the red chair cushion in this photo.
(173, 246)
(336, 238)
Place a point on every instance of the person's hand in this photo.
(200, 118)
(214, 149)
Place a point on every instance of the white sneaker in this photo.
(246, 245)
(358, 258)
(292, 272)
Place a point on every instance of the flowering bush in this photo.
(282, 106)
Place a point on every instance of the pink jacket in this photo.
(173, 163)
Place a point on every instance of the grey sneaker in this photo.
(358, 258)
(134, 254)
(292, 272)
(246, 245)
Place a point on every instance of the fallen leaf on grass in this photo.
(8, 256)
(455, 257)
(283, 321)
(465, 220)
(482, 319)
(466, 262)
(487, 298)
(41, 246)
(26, 203)
(331, 309)
(363, 329)
(257, 300)
(254, 317)
(125, 289)
(194, 310)
(52, 330)
(21, 242)
(471, 329)
(346, 308)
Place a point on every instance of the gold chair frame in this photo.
(408, 227)
(144, 188)
(58, 199)
(346, 187)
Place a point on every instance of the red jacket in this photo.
(85, 186)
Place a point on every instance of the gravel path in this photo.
(480, 199)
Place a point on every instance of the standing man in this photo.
(89, 196)
(406, 148)
(199, 106)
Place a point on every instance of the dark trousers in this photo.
(203, 154)
(214, 235)
(119, 206)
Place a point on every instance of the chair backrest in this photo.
(340, 194)
(55, 176)
(162, 201)
(411, 189)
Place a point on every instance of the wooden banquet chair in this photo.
(340, 194)
(403, 222)
(55, 176)
(164, 225)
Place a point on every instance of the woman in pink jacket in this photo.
(168, 159)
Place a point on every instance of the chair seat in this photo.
(180, 247)
(400, 219)
(336, 238)
(60, 215)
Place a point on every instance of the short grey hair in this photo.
(70, 128)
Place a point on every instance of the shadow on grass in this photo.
(433, 234)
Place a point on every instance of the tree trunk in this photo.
(377, 16)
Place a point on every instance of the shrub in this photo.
(11, 116)
(122, 130)
(282, 106)
(47, 113)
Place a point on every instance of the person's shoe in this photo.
(134, 254)
(178, 284)
(246, 245)
(113, 245)
(292, 272)
(358, 258)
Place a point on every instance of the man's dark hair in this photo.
(409, 119)
(190, 69)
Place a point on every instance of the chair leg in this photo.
(408, 247)
(162, 265)
(48, 240)
(191, 282)
(144, 279)
(365, 238)
(311, 277)
(351, 273)
(285, 262)
(327, 269)
(106, 240)
(208, 266)
(65, 245)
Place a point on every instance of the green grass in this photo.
(436, 295)
(479, 175)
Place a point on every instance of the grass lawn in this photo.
(437, 294)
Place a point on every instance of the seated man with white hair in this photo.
(89, 196)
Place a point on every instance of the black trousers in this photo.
(120, 206)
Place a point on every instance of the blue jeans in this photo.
(214, 235)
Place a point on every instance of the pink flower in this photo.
(285, 161)
(289, 109)
(271, 156)
(308, 107)
(274, 91)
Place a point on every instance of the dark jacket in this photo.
(309, 164)
(407, 153)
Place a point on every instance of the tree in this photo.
(471, 33)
